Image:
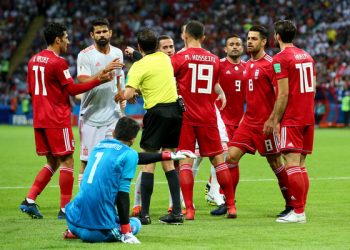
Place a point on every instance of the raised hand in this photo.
(129, 51)
(105, 76)
(119, 97)
(115, 64)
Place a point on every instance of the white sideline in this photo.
(204, 181)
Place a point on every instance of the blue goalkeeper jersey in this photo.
(108, 163)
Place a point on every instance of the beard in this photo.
(102, 42)
(234, 56)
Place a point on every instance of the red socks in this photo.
(225, 180)
(66, 181)
(282, 177)
(40, 182)
(306, 182)
(296, 188)
(234, 170)
(186, 184)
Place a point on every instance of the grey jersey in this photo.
(97, 105)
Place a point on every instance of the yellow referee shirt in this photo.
(153, 75)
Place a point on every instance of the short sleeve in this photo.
(29, 78)
(83, 65)
(314, 66)
(175, 64)
(130, 163)
(216, 71)
(135, 76)
(280, 68)
(62, 72)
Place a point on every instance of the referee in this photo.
(153, 76)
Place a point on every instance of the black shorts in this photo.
(161, 127)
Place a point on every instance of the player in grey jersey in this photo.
(98, 111)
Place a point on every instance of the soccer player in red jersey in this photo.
(232, 81)
(50, 85)
(260, 98)
(196, 71)
(293, 114)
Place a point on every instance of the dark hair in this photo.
(264, 34)
(126, 129)
(286, 29)
(195, 29)
(99, 22)
(52, 31)
(163, 37)
(147, 39)
(232, 36)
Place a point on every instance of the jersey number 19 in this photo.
(198, 73)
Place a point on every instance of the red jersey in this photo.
(196, 71)
(47, 75)
(260, 93)
(298, 66)
(232, 81)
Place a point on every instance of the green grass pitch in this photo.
(258, 201)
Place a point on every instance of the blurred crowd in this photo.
(323, 29)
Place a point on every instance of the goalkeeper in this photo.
(91, 215)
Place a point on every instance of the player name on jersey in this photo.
(109, 145)
(41, 59)
(300, 56)
(200, 58)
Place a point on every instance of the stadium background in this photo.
(323, 31)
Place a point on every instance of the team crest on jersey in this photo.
(66, 73)
(251, 66)
(236, 68)
(256, 74)
(98, 64)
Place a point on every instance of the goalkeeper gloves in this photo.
(180, 155)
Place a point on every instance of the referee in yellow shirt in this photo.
(153, 76)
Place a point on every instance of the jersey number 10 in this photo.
(36, 69)
(198, 74)
(306, 72)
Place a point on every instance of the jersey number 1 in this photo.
(36, 69)
(98, 157)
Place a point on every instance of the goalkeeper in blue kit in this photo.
(91, 215)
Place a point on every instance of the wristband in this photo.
(125, 228)
(166, 155)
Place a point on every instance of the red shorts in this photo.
(57, 141)
(249, 139)
(230, 131)
(298, 139)
(208, 139)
